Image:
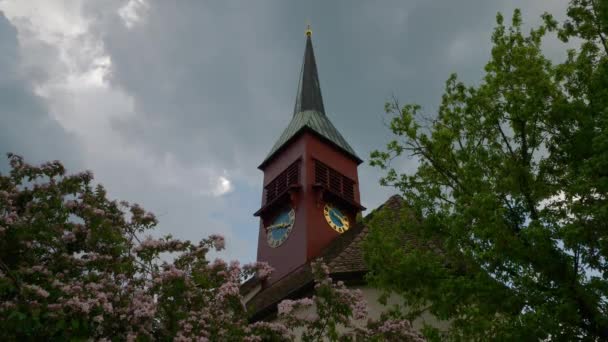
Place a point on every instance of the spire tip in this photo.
(308, 31)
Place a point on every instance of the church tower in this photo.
(311, 186)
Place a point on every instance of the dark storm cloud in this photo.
(199, 87)
(216, 82)
(203, 81)
(25, 125)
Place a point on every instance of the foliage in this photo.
(73, 266)
(510, 197)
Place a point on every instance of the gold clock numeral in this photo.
(284, 227)
(344, 223)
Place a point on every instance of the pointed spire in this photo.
(309, 113)
(309, 90)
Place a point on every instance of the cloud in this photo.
(132, 12)
(26, 128)
(223, 186)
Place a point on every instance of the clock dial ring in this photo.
(336, 219)
(279, 228)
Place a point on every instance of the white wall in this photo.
(375, 309)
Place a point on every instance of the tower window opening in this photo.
(279, 185)
(334, 181)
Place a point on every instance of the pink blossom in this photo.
(68, 237)
(86, 176)
(108, 308)
(218, 263)
(98, 212)
(11, 217)
(217, 241)
(263, 270)
(54, 307)
(85, 307)
(285, 307)
(40, 269)
(143, 305)
(181, 338)
(276, 327)
(229, 289)
(171, 272)
(39, 291)
(306, 301)
(71, 204)
(401, 328)
(150, 217)
(131, 337)
(149, 243)
(359, 305)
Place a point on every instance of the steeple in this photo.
(309, 112)
(311, 184)
(309, 90)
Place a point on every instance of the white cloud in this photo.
(132, 12)
(83, 100)
(223, 186)
(52, 20)
(86, 104)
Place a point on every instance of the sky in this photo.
(174, 104)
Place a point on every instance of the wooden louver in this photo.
(334, 181)
(291, 176)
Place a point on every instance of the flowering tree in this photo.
(74, 265)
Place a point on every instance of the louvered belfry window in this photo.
(291, 176)
(334, 181)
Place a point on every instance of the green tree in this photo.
(509, 203)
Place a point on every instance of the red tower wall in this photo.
(310, 233)
(292, 253)
(320, 234)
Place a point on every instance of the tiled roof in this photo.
(264, 303)
(343, 256)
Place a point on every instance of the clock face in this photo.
(336, 219)
(280, 227)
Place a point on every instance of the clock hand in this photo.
(277, 226)
(340, 217)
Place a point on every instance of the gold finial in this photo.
(308, 31)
